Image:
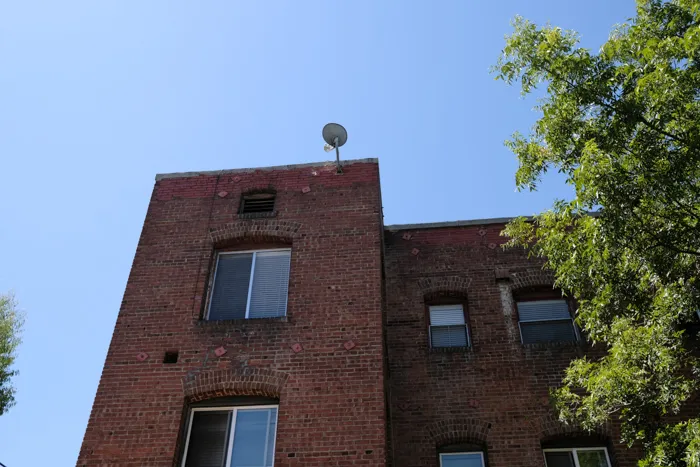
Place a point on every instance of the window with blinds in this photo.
(448, 327)
(231, 437)
(577, 457)
(545, 321)
(250, 284)
(462, 459)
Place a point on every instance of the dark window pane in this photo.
(230, 294)
(592, 458)
(559, 459)
(254, 438)
(448, 336)
(548, 331)
(208, 436)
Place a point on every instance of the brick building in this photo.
(271, 317)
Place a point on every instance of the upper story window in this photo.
(448, 326)
(462, 459)
(577, 457)
(257, 203)
(545, 320)
(250, 284)
(231, 437)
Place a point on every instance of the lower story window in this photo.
(462, 459)
(231, 437)
(577, 457)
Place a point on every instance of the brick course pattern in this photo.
(350, 364)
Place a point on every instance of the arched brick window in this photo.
(544, 316)
(249, 283)
(462, 455)
(230, 431)
(576, 451)
(448, 320)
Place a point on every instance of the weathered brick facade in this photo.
(494, 394)
(354, 339)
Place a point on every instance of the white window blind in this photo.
(250, 285)
(545, 321)
(447, 326)
(231, 437)
(462, 459)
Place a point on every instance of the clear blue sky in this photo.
(98, 97)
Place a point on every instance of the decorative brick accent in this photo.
(248, 381)
(415, 251)
(458, 430)
(255, 231)
(220, 351)
(433, 285)
(532, 278)
(349, 345)
(502, 273)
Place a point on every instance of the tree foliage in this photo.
(11, 321)
(623, 126)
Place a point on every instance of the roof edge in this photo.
(164, 176)
(467, 223)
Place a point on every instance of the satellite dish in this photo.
(334, 134)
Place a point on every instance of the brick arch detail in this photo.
(458, 430)
(256, 231)
(433, 285)
(550, 427)
(532, 278)
(240, 382)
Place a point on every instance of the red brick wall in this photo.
(332, 400)
(495, 393)
(332, 406)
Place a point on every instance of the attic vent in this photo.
(258, 203)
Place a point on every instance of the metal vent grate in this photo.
(264, 202)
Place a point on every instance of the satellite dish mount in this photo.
(335, 136)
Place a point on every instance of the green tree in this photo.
(623, 126)
(11, 321)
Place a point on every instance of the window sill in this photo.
(257, 215)
(439, 350)
(554, 345)
(239, 321)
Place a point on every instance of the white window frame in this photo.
(577, 336)
(250, 282)
(234, 409)
(575, 451)
(466, 329)
(448, 454)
